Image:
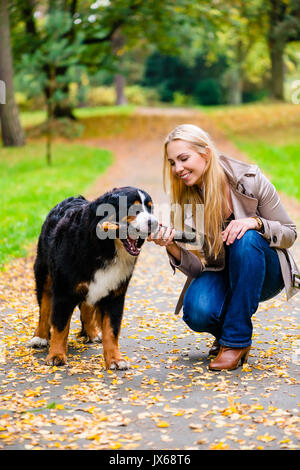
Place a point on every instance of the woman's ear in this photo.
(207, 152)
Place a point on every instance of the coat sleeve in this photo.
(279, 229)
(189, 264)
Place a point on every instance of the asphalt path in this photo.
(168, 399)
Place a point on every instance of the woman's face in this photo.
(186, 163)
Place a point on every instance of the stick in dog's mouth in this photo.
(123, 229)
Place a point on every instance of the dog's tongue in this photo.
(131, 243)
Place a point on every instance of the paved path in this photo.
(168, 399)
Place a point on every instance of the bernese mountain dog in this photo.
(86, 254)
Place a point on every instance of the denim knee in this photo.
(245, 245)
(204, 301)
(196, 315)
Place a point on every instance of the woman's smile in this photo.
(185, 176)
(186, 162)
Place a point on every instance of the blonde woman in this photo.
(244, 259)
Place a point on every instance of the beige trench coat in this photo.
(252, 194)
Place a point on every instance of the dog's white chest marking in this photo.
(109, 278)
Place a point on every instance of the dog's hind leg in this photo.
(60, 325)
(111, 324)
(42, 331)
(89, 323)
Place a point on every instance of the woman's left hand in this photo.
(237, 228)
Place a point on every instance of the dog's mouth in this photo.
(132, 246)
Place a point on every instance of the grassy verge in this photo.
(281, 162)
(269, 135)
(33, 118)
(30, 188)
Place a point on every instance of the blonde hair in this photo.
(213, 185)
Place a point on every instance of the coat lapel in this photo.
(243, 205)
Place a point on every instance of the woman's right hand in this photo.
(164, 237)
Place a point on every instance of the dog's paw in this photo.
(119, 365)
(58, 359)
(37, 342)
(91, 339)
(96, 339)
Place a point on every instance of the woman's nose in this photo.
(178, 168)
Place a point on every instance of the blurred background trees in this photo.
(71, 53)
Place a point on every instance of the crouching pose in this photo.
(244, 259)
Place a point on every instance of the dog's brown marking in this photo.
(43, 327)
(108, 226)
(131, 218)
(110, 343)
(58, 346)
(82, 288)
(89, 321)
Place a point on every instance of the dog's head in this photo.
(126, 214)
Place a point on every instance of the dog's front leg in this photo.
(111, 324)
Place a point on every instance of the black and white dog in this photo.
(86, 255)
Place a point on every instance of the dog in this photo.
(86, 254)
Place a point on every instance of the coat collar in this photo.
(243, 205)
(236, 169)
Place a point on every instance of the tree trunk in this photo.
(12, 132)
(277, 70)
(118, 42)
(119, 87)
(277, 40)
(235, 86)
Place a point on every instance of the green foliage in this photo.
(135, 94)
(208, 92)
(200, 80)
(29, 188)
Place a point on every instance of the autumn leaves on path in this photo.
(168, 399)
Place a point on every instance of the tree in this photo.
(12, 132)
(55, 53)
(283, 27)
(98, 24)
(231, 29)
(118, 42)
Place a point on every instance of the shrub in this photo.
(180, 99)
(208, 92)
(101, 96)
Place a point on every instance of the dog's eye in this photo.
(137, 207)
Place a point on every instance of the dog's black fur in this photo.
(74, 267)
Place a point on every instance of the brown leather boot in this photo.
(214, 350)
(229, 358)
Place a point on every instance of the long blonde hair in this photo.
(213, 186)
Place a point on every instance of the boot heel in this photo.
(244, 358)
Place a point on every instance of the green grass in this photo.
(34, 118)
(30, 188)
(281, 162)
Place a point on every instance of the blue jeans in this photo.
(223, 302)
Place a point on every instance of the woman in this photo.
(244, 259)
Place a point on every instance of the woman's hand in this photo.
(237, 228)
(164, 237)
